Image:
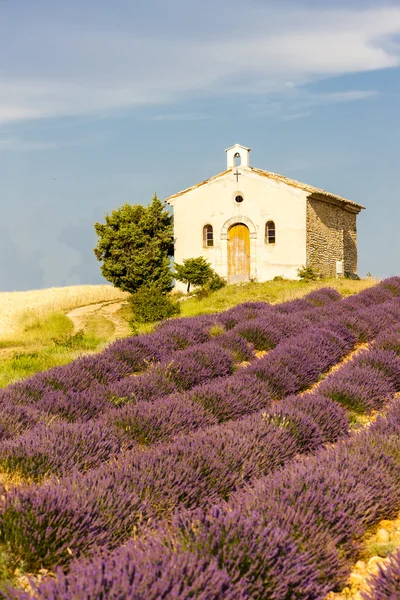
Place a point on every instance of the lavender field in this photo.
(236, 455)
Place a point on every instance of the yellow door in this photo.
(238, 253)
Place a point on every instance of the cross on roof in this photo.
(237, 174)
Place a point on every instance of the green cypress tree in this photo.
(135, 245)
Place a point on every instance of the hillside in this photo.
(249, 453)
(41, 329)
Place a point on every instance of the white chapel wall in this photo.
(264, 200)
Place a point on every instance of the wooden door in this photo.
(238, 253)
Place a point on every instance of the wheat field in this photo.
(13, 305)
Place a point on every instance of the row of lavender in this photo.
(371, 319)
(135, 354)
(75, 392)
(58, 448)
(127, 356)
(85, 389)
(60, 393)
(47, 525)
(290, 534)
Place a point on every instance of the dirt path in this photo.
(80, 316)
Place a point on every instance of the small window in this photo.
(239, 199)
(208, 236)
(270, 233)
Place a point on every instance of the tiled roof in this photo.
(317, 192)
(305, 186)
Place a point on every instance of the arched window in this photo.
(238, 159)
(270, 237)
(208, 236)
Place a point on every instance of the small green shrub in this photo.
(150, 304)
(194, 271)
(216, 330)
(72, 341)
(216, 282)
(307, 274)
(77, 341)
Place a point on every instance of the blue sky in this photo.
(103, 103)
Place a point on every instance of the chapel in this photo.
(252, 224)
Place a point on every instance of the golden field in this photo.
(13, 305)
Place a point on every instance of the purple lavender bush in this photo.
(237, 346)
(14, 420)
(102, 507)
(330, 416)
(148, 387)
(153, 573)
(265, 333)
(389, 340)
(248, 550)
(74, 406)
(233, 397)
(137, 352)
(146, 423)
(286, 415)
(58, 449)
(360, 388)
(186, 369)
(242, 312)
(175, 336)
(297, 363)
(392, 284)
(386, 362)
(306, 515)
(323, 296)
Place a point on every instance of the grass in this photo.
(269, 291)
(99, 327)
(44, 337)
(44, 342)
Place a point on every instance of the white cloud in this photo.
(18, 144)
(331, 97)
(180, 117)
(298, 102)
(69, 71)
(295, 116)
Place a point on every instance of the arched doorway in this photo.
(238, 253)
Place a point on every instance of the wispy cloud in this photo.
(18, 144)
(298, 103)
(332, 97)
(180, 117)
(295, 116)
(60, 70)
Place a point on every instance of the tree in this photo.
(195, 271)
(135, 245)
(149, 304)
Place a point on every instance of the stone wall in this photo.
(331, 236)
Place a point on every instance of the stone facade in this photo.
(331, 236)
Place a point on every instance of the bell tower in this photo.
(238, 156)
